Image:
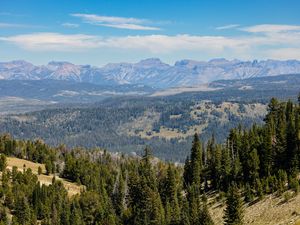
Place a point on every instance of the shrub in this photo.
(287, 196)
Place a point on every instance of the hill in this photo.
(165, 125)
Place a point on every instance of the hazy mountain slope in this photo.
(67, 91)
(150, 72)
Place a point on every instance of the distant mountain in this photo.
(150, 72)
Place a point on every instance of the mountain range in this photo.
(151, 72)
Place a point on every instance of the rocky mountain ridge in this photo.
(151, 72)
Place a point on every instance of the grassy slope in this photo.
(272, 210)
(203, 113)
(72, 188)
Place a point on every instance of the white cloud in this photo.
(70, 25)
(107, 19)
(229, 26)
(129, 26)
(12, 25)
(18, 25)
(53, 41)
(165, 43)
(256, 45)
(116, 22)
(151, 43)
(7, 25)
(270, 28)
(284, 53)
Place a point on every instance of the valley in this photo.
(127, 123)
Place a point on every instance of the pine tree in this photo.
(76, 216)
(198, 211)
(3, 162)
(291, 140)
(248, 193)
(225, 169)
(145, 201)
(216, 167)
(267, 152)
(3, 215)
(280, 157)
(233, 214)
(282, 180)
(194, 204)
(259, 189)
(170, 193)
(22, 210)
(187, 173)
(119, 195)
(194, 166)
(236, 168)
(48, 166)
(253, 166)
(40, 170)
(205, 218)
(185, 213)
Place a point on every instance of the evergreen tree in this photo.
(253, 166)
(170, 195)
(3, 215)
(145, 201)
(233, 214)
(22, 210)
(225, 169)
(187, 173)
(248, 193)
(3, 162)
(194, 167)
(205, 218)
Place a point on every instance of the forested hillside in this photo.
(165, 125)
(250, 165)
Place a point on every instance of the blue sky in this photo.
(99, 32)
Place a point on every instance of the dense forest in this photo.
(105, 125)
(250, 164)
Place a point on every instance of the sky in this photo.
(98, 32)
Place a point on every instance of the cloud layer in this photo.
(70, 25)
(53, 41)
(13, 25)
(229, 26)
(259, 41)
(116, 22)
(271, 28)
